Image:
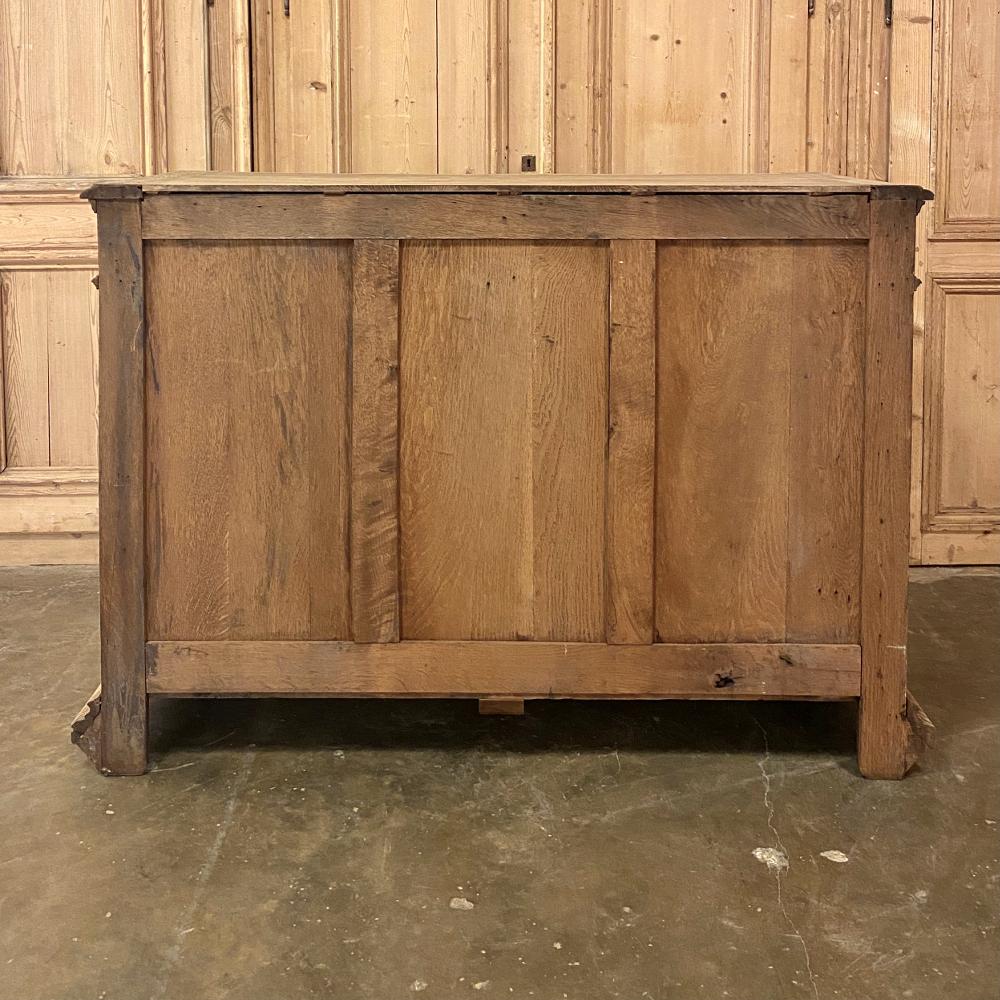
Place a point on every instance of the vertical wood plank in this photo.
(248, 433)
(122, 427)
(70, 88)
(828, 87)
(787, 85)
(967, 375)
(582, 117)
(883, 730)
(302, 84)
(724, 321)
(472, 87)
(375, 441)
(72, 396)
(681, 87)
(825, 429)
(188, 447)
(465, 441)
(503, 367)
(263, 70)
(631, 441)
(228, 26)
(187, 139)
(531, 85)
(569, 391)
(25, 322)
(393, 87)
(910, 122)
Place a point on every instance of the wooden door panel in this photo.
(970, 381)
(503, 404)
(247, 421)
(968, 176)
(957, 362)
(48, 322)
(747, 547)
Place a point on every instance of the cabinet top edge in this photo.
(264, 183)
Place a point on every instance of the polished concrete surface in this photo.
(377, 850)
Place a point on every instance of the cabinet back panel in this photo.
(759, 426)
(503, 410)
(247, 440)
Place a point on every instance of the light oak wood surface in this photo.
(248, 401)
(504, 669)
(509, 468)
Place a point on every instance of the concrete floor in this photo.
(377, 850)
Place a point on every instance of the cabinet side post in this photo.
(884, 732)
(122, 459)
(631, 441)
(375, 441)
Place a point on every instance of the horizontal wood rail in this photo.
(504, 669)
(515, 217)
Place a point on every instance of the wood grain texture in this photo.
(393, 86)
(734, 184)
(681, 84)
(724, 326)
(967, 105)
(297, 72)
(229, 84)
(72, 332)
(375, 441)
(181, 59)
(960, 517)
(122, 501)
(70, 86)
(787, 85)
(48, 326)
(45, 223)
(631, 441)
(966, 375)
(758, 449)
(883, 731)
(247, 424)
(503, 363)
(961, 547)
(531, 54)
(48, 516)
(48, 501)
(504, 669)
(472, 87)
(40, 549)
(582, 64)
(825, 421)
(24, 304)
(485, 216)
(910, 160)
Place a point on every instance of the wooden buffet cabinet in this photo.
(505, 438)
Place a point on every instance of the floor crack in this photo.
(778, 869)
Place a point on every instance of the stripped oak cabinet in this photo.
(505, 438)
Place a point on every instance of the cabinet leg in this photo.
(124, 736)
(893, 731)
(501, 706)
